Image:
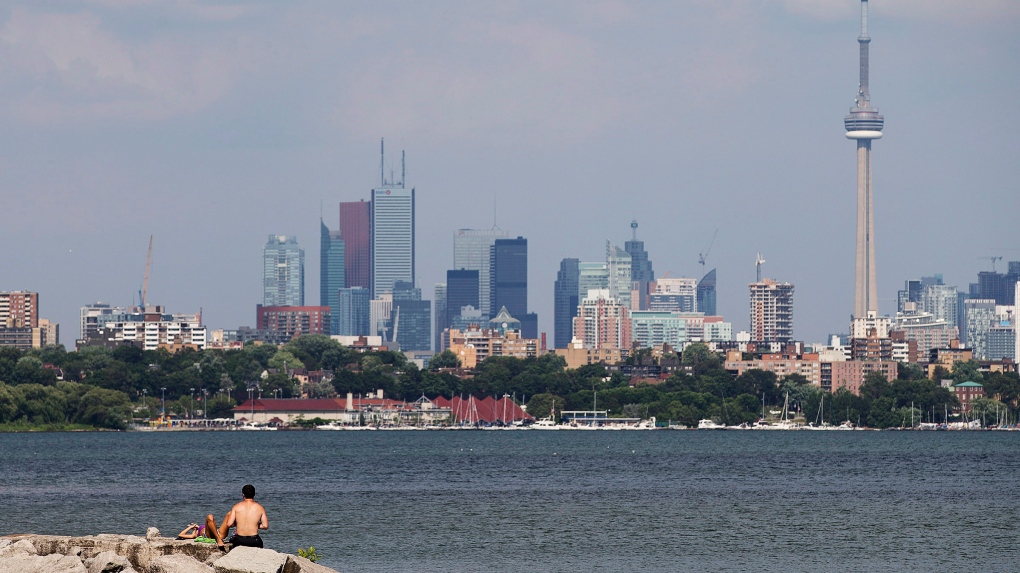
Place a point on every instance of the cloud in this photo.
(58, 67)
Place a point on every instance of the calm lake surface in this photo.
(546, 501)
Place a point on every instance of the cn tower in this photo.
(864, 124)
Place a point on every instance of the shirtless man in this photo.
(247, 517)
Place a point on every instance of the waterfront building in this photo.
(966, 392)
(371, 409)
(354, 317)
(331, 273)
(441, 316)
(863, 125)
(706, 294)
(19, 309)
(472, 250)
(565, 299)
(393, 247)
(674, 294)
(356, 233)
(283, 272)
(602, 321)
(410, 318)
(293, 320)
(771, 311)
(509, 276)
(641, 273)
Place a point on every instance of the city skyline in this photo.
(629, 127)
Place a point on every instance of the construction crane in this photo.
(703, 255)
(993, 259)
(758, 262)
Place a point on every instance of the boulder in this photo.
(251, 560)
(178, 564)
(20, 547)
(108, 562)
(26, 563)
(152, 534)
(297, 564)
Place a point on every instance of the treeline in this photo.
(128, 381)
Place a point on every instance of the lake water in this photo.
(546, 501)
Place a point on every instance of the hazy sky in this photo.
(213, 124)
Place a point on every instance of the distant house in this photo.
(967, 391)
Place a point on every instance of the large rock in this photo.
(251, 560)
(109, 562)
(19, 547)
(178, 564)
(26, 563)
(297, 564)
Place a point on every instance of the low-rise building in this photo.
(965, 392)
(474, 346)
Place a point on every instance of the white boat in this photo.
(545, 424)
(330, 426)
(707, 424)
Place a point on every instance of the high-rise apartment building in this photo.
(565, 302)
(356, 232)
(509, 276)
(706, 294)
(602, 322)
(331, 273)
(591, 276)
(979, 316)
(641, 272)
(354, 316)
(940, 301)
(283, 272)
(771, 311)
(472, 250)
(19, 309)
(392, 237)
(674, 294)
(293, 320)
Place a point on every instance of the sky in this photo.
(211, 125)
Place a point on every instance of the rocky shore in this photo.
(107, 553)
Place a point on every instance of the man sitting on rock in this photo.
(246, 517)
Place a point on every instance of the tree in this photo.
(445, 359)
(540, 405)
(968, 371)
(284, 359)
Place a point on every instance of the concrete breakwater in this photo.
(106, 553)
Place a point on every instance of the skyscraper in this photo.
(509, 276)
(356, 232)
(354, 317)
(864, 124)
(771, 311)
(471, 251)
(619, 265)
(641, 272)
(706, 294)
(565, 302)
(283, 272)
(462, 289)
(331, 273)
(410, 318)
(439, 315)
(392, 234)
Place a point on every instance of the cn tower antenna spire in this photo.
(864, 124)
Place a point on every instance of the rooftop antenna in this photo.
(403, 167)
(758, 262)
(382, 160)
(633, 229)
(148, 264)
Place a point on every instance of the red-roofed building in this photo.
(372, 409)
